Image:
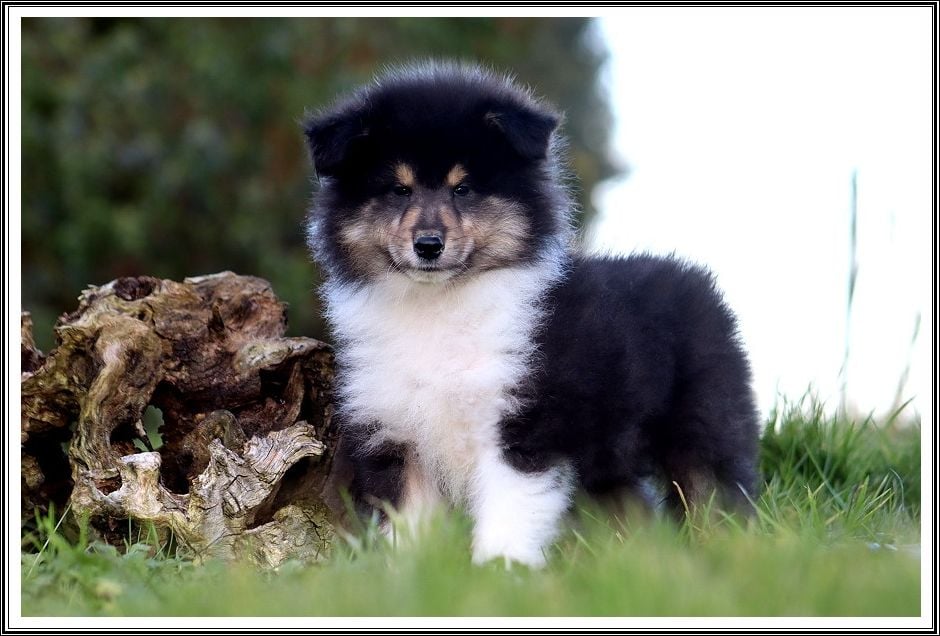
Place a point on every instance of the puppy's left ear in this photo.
(330, 137)
(527, 129)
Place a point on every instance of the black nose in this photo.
(429, 247)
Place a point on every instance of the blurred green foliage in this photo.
(172, 147)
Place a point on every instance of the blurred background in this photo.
(791, 155)
(791, 150)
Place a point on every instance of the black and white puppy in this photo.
(481, 362)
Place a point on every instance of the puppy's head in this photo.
(435, 172)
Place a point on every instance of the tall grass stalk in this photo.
(850, 295)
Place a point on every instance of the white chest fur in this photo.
(435, 364)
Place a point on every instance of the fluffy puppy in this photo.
(481, 361)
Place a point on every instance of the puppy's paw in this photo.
(486, 550)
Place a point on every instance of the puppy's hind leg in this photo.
(708, 444)
(516, 514)
(694, 480)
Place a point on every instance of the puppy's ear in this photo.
(528, 130)
(330, 137)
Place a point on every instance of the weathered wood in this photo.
(247, 439)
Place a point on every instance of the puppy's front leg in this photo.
(420, 498)
(516, 514)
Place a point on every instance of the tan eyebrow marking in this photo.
(405, 175)
(456, 175)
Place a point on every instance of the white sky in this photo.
(742, 128)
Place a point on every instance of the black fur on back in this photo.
(641, 374)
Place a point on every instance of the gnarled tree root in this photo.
(247, 438)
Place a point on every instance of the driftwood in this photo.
(246, 428)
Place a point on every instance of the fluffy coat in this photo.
(481, 361)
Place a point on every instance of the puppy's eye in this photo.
(402, 191)
(462, 190)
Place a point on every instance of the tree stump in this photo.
(241, 461)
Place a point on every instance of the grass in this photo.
(836, 533)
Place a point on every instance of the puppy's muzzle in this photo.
(429, 246)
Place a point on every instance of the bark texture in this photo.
(240, 462)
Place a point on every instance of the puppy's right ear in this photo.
(329, 139)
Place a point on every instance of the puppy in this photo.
(481, 362)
